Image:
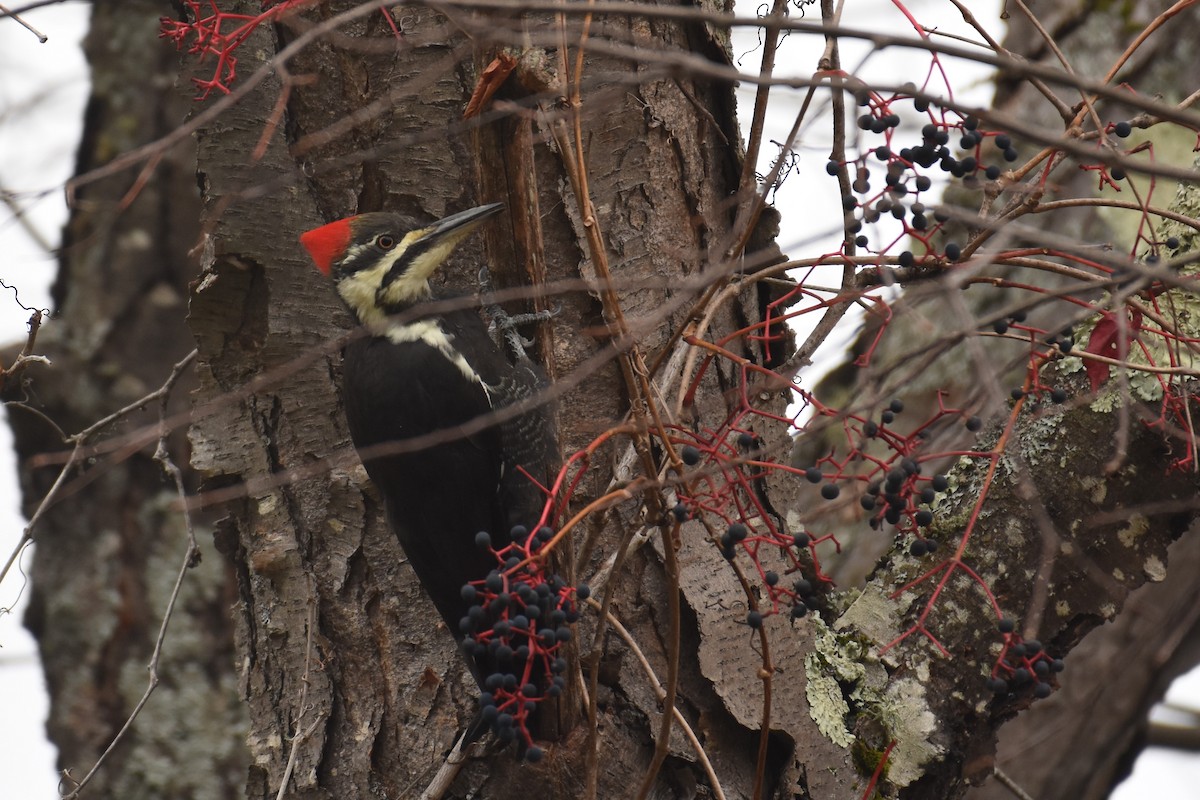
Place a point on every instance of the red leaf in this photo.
(1106, 340)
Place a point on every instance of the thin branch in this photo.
(661, 694)
(301, 736)
(189, 560)
(5, 12)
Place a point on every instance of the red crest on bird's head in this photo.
(327, 243)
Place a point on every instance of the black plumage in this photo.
(440, 495)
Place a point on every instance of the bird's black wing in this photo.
(437, 497)
(527, 442)
(529, 446)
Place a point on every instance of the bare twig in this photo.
(301, 735)
(5, 12)
(162, 394)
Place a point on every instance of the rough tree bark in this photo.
(378, 693)
(107, 553)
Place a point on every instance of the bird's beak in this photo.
(454, 228)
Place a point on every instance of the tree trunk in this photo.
(99, 590)
(341, 651)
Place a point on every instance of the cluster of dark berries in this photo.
(734, 535)
(870, 428)
(904, 168)
(830, 491)
(1022, 664)
(804, 597)
(1064, 340)
(801, 595)
(517, 621)
(899, 497)
(1001, 326)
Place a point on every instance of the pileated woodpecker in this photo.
(416, 373)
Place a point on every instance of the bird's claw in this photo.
(503, 325)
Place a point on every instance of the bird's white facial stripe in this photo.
(359, 289)
(415, 280)
(356, 249)
(426, 250)
(431, 334)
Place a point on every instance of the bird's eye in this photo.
(385, 242)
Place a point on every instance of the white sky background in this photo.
(37, 144)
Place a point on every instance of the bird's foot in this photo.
(503, 326)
